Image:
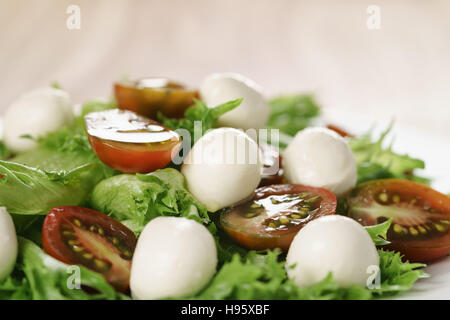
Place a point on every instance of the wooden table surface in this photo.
(324, 47)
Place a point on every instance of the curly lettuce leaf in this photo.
(30, 191)
(38, 276)
(199, 112)
(136, 199)
(263, 276)
(375, 161)
(292, 113)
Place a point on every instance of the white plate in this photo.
(435, 151)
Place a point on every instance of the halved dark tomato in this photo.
(76, 235)
(272, 170)
(421, 226)
(130, 143)
(274, 215)
(152, 95)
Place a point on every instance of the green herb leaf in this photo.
(199, 112)
(378, 232)
(292, 113)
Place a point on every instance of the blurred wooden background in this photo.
(324, 47)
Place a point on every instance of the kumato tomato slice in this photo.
(274, 215)
(152, 95)
(76, 235)
(130, 143)
(421, 216)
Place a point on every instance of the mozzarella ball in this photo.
(335, 244)
(35, 113)
(222, 168)
(174, 258)
(319, 157)
(254, 110)
(8, 244)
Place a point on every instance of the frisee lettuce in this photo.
(375, 161)
(38, 276)
(262, 275)
(136, 199)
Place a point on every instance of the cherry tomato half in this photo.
(274, 215)
(150, 95)
(421, 226)
(76, 235)
(130, 143)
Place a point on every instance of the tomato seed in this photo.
(413, 231)
(77, 223)
(383, 197)
(422, 230)
(396, 198)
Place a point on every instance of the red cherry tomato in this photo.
(152, 95)
(421, 226)
(275, 214)
(130, 143)
(76, 235)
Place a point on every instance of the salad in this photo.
(168, 192)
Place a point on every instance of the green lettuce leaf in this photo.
(262, 275)
(136, 199)
(30, 191)
(292, 113)
(41, 277)
(199, 112)
(375, 161)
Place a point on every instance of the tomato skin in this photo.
(260, 239)
(426, 207)
(172, 101)
(130, 143)
(339, 131)
(54, 244)
(132, 161)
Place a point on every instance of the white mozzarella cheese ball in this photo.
(319, 157)
(223, 167)
(254, 110)
(8, 244)
(174, 258)
(35, 113)
(335, 244)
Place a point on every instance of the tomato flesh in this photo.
(421, 216)
(76, 235)
(130, 143)
(152, 95)
(274, 215)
